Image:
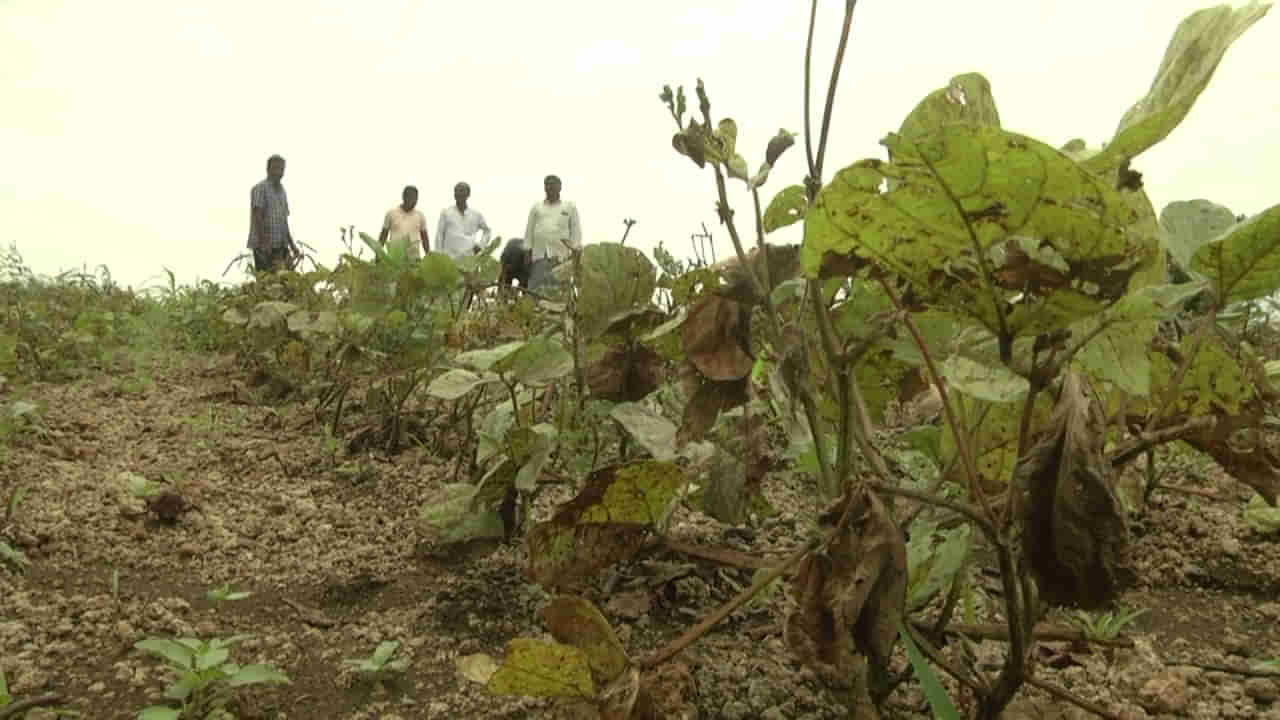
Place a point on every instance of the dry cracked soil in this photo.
(336, 563)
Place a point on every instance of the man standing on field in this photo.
(553, 233)
(456, 230)
(269, 236)
(406, 227)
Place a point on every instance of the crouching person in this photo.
(516, 261)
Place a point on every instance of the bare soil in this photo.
(337, 562)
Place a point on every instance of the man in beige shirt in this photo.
(403, 226)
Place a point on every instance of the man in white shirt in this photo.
(456, 230)
(406, 227)
(553, 232)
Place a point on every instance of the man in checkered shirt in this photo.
(269, 236)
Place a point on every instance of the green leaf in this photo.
(931, 568)
(1187, 224)
(786, 208)
(939, 702)
(485, 359)
(270, 313)
(257, 675)
(492, 433)
(384, 651)
(539, 361)
(543, 669)
(655, 433)
(1217, 378)
(321, 323)
(530, 448)
(211, 657)
(439, 274)
(1193, 54)
(454, 518)
(1055, 240)
(1244, 262)
(995, 384)
(455, 383)
(615, 278)
(1118, 351)
(373, 244)
(175, 653)
(1260, 516)
(233, 316)
(967, 98)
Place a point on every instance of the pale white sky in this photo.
(131, 131)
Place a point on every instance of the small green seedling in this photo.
(11, 556)
(224, 592)
(204, 679)
(1106, 626)
(380, 663)
(1272, 664)
(141, 487)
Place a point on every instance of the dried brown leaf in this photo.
(717, 338)
(1075, 533)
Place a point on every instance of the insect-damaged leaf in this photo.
(1075, 535)
(575, 621)
(460, 512)
(543, 669)
(851, 596)
(932, 568)
(604, 523)
(1194, 52)
(537, 362)
(1034, 234)
(786, 208)
(966, 98)
(1244, 262)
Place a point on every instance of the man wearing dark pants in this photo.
(269, 236)
(552, 234)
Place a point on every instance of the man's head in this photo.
(461, 192)
(551, 184)
(410, 197)
(275, 167)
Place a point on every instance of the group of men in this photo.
(553, 231)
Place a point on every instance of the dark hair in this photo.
(408, 188)
(549, 178)
(274, 158)
(462, 183)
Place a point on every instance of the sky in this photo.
(132, 131)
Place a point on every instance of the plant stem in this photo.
(831, 88)
(697, 631)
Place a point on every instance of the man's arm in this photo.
(257, 215)
(422, 232)
(485, 232)
(528, 228)
(575, 229)
(386, 228)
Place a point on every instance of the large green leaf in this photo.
(458, 382)
(485, 359)
(1056, 240)
(455, 516)
(530, 448)
(1188, 224)
(543, 669)
(257, 675)
(931, 566)
(1193, 54)
(537, 362)
(1243, 263)
(615, 278)
(993, 383)
(1117, 352)
(438, 274)
(654, 432)
(175, 653)
(270, 313)
(1217, 377)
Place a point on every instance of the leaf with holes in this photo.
(985, 223)
(786, 208)
(615, 279)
